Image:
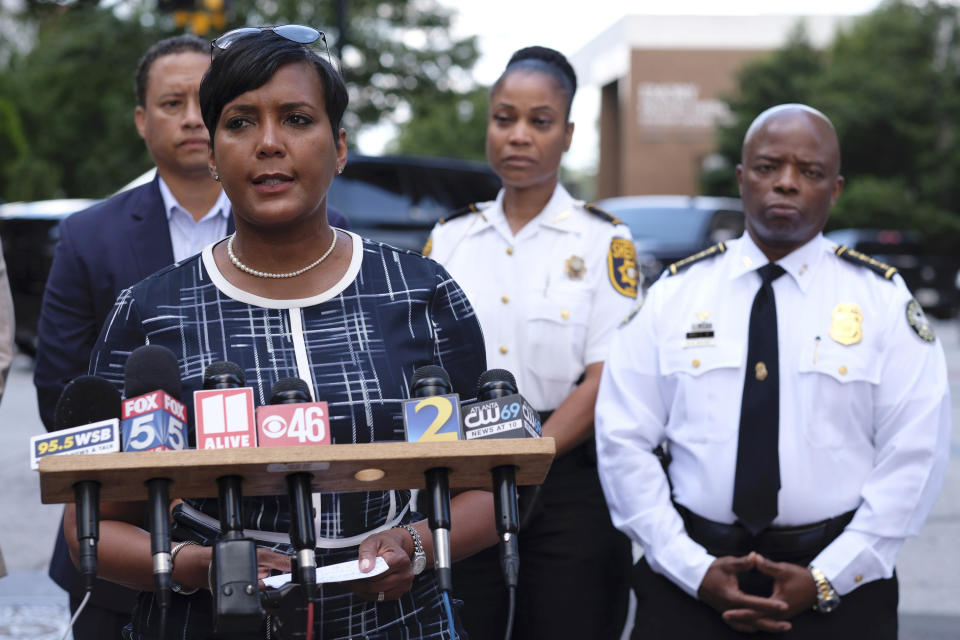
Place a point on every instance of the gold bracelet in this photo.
(176, 587)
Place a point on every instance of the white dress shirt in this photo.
(544, 297)
(190, 236)
(863, 426)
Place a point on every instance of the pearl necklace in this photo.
(264, 274)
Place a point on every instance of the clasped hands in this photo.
(793, 592)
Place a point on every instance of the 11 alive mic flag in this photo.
(225, 418)
(506, 417)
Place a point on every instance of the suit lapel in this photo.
(150, 237)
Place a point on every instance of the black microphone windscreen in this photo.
(84, 400)
(286, 390)
(430, 380)
(223, 374)
(496, 379)
(151, 368)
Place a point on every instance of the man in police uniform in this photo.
(803, 400)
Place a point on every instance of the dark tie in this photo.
(758, 461)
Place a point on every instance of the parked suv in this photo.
(393, 199)
(670, 228)
(933, 280)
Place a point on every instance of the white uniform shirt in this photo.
(544, 297)
(864, 426)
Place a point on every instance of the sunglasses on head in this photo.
(294, 32)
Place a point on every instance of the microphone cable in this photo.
(309, 635)
(83, 605)
(511, 611)
(446, 605)
(162, 626)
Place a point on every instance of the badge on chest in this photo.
(846, 324)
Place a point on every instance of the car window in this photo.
(665, 224)
(374, 194)
(367, 201)
(725, 226)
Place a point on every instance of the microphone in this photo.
(501, 412)
(224, 410)
(291, 419)
(86, 420)
(154, 419)
(433, 415)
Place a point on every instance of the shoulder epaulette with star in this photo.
(864, 260)
(470, 208)
(600, 213)
(680, 265)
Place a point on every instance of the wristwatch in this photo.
(419, 557)
(827, 598)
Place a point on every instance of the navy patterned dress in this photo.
(357, 346)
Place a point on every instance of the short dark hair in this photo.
(249, 63)
(166, 47)
(544, 60)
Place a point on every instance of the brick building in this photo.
(661, 80)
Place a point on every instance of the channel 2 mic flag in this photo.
(154, 421)
(432, 419)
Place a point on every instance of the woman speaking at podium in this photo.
(290, 296)
(550, 278)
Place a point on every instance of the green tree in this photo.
(74, 97)
(72, 90)
(453, 124)
(891, 84)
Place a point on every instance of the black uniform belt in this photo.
(783, 544)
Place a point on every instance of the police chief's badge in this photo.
(845, 327)
(576, 267)
(622, 267)
(918, 321)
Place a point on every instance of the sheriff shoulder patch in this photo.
(622, 267)
(918, 322)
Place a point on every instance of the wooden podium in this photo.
(354, 467)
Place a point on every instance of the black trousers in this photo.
(574, 566)
(664, 611)
(97, 623)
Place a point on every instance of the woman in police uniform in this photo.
(550, 278)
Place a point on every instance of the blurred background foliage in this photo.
(66, 81)
(891, 85)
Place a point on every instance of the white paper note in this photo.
(342, 572)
